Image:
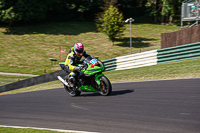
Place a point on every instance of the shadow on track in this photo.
(114, 93)
(121, 92)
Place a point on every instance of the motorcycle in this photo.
(89, 79)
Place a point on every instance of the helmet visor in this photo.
(79, 50)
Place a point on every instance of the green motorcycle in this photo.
(89, 79)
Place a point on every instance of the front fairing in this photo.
(93, 69)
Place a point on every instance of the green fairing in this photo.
(92, 70)
(90, 88)
(87, 88)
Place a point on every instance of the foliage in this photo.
(111, 23)
(163, 10)
(22, 10)
(15, 11)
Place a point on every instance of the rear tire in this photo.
(71, 90)
(105, 86)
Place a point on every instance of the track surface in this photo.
(169, 106)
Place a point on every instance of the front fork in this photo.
(97, 76)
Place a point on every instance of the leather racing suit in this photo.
(72, 60)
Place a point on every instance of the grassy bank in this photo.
(176, 70)
(27, 49)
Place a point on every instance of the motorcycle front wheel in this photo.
(105, 86)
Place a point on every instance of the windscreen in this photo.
(88, 59)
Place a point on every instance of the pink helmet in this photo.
(78, 49)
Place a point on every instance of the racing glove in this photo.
(78, 68)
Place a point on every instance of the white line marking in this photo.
(58, 130)
(79, 107)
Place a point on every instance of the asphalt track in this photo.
(167, 106)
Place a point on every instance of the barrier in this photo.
(179, 53)
(32, 81)
(147, 58)
(154, 57)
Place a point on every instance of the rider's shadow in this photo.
(114, 93)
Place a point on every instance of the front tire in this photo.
(105, 86)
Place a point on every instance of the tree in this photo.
(111, 22)
(175, 9)
(164, 10)
(152, 9)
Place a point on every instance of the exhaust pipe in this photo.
(63, 81)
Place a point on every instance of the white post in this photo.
(130, 20)
(130, 36)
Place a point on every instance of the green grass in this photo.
(27, 49)
(24, 130)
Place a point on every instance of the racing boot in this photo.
(71, 79)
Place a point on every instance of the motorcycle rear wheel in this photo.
(105, 86)
(72, 92)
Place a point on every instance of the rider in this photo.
(73, 58)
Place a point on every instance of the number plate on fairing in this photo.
(93, 62)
